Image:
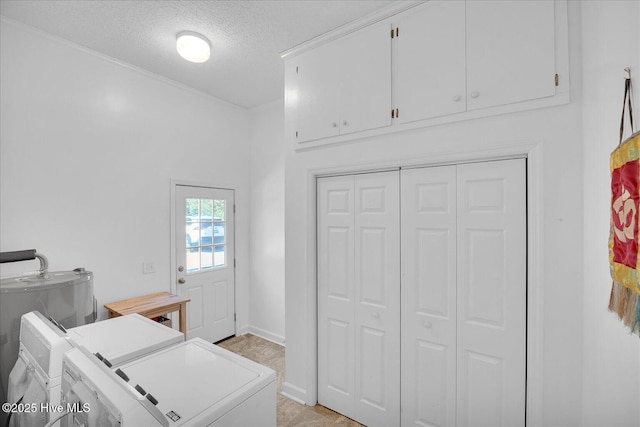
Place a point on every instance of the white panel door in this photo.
(377, 295)
(205, 260)
(359, 297)
(428, 296)
(510, 51)
(336, 303)
(491, 367)
(431, 61)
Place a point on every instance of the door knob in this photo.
(181, 269)
(182, 281)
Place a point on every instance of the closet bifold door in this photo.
(428, 296)
(464, 294)
(492, 294)
(359, 296)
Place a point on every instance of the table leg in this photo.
(183, 320)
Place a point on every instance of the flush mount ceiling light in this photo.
(193, 47)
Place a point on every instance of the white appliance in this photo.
(36, 377)
(65, 295)
(194, 383)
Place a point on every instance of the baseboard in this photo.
(294, 393)
(269, 336)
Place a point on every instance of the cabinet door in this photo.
(510, 52)
(431, 61)
(492, 284)
(428, 296)
(317, 94)
(365, 79)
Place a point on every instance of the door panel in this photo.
(359, 297)
(432, 383)
(377, 284)
(340, 357)
(483, 391)
(428, 296)
(372, 266)
(484, 297)
(336, 314)
(492, 293)
(204, 260)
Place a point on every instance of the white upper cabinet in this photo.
(436, 62)
(344, 86)
(456, 56)
(431, 61)
(365, 77)
(510, 52)
(317, 94)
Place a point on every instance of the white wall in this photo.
(88, 149)
(266, 165)
(555, 134)
(611, 365)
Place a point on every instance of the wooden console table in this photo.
(152, 306)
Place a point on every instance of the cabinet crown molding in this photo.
(371, 18)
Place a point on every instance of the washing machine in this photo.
(36, 377)
(194, 383)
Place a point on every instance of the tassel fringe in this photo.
(626, 304)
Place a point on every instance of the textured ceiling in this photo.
(246, 36)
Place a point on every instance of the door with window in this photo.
(205, 259)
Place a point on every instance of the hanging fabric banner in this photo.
(624, 257)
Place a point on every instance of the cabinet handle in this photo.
(335, 125)
(456, 98)
(427, 324)
(345, 123)
(475, 94)
(376, 315)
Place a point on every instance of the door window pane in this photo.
(219, 255)
(193, 259)
(205, 227)
(206, 257)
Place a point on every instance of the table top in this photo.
(146, 303)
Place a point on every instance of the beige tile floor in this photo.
(290, 413)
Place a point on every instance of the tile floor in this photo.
(290, 413)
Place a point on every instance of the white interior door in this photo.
(377, 295)
(336, 303)
(492, 293)
(464, 295)
(429, 296)
(205, 259)
(359, 297)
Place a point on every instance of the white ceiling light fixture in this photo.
(193, 47)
